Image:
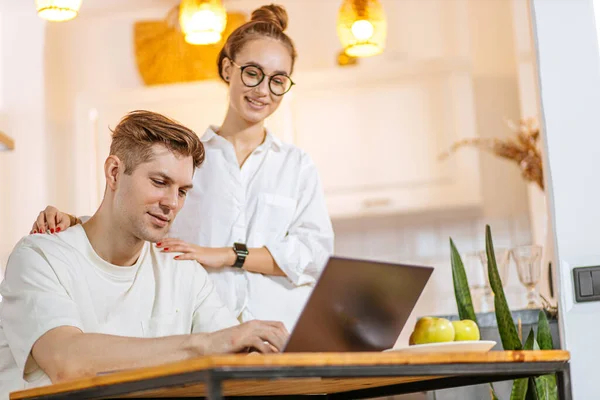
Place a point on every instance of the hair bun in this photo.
(272, 13)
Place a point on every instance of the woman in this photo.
(253, 190)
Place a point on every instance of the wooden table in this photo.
(330, 375)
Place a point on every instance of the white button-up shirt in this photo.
(275, 201)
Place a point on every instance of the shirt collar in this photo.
(209, 134)
(271, 141)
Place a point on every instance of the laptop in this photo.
(358, 305)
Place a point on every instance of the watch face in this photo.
(240, 247)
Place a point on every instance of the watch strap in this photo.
(241, 252)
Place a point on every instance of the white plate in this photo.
(478, 346)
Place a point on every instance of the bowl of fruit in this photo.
(433, 334)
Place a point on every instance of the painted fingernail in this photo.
(158, 244)
(177, 257)
(51, 230)
(166, 248)
(35, 231)
(57, 230)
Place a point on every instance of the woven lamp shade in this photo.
(362, 27)
(163, 56)
(57, 10)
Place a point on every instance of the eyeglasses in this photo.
(253, 75)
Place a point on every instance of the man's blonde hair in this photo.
(138, 131)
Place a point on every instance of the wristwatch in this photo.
(242, 252)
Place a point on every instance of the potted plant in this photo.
(541, 387)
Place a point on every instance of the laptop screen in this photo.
(358, 305)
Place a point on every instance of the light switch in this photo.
(596, 282)
(587, 283)
(586, 287)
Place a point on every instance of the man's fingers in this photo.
(261, 346)
(273, 337)
(279, 325)
(275, 332)
(284, 331)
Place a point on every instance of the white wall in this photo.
(525, 60)
(23, 174)
(496, 92)
(567, 47)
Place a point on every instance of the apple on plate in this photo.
(465, 330)
(432, 330)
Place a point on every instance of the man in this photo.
(101, 296)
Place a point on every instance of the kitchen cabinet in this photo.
(374, 132)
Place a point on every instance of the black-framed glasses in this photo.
(253, 75)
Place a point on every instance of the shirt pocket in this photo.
(275, 214)
(166, 325)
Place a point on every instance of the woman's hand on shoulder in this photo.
(211, 257)
(51, 220)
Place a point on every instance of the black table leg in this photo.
(213, 387)
(563, 382)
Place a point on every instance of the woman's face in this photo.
(254, 104)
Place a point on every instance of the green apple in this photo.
(432, 330)
(465, 330)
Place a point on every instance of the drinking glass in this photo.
(477, 281)
(529, 262)
(502, 261)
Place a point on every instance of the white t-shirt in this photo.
(59, 280)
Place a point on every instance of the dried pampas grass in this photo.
(523, 149)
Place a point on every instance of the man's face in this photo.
(147, 201)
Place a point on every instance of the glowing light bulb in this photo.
(202, 21)
(362, 30)
(362, 27)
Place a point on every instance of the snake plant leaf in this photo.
(545, 384)
(519, 389)
(546, 387)
(544, 336)
(530, 342)
(522, 388)
(506, 324)
(462, 292)
(531, 390)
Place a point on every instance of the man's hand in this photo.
(261, 336)
(51, 220)
(217, 257)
